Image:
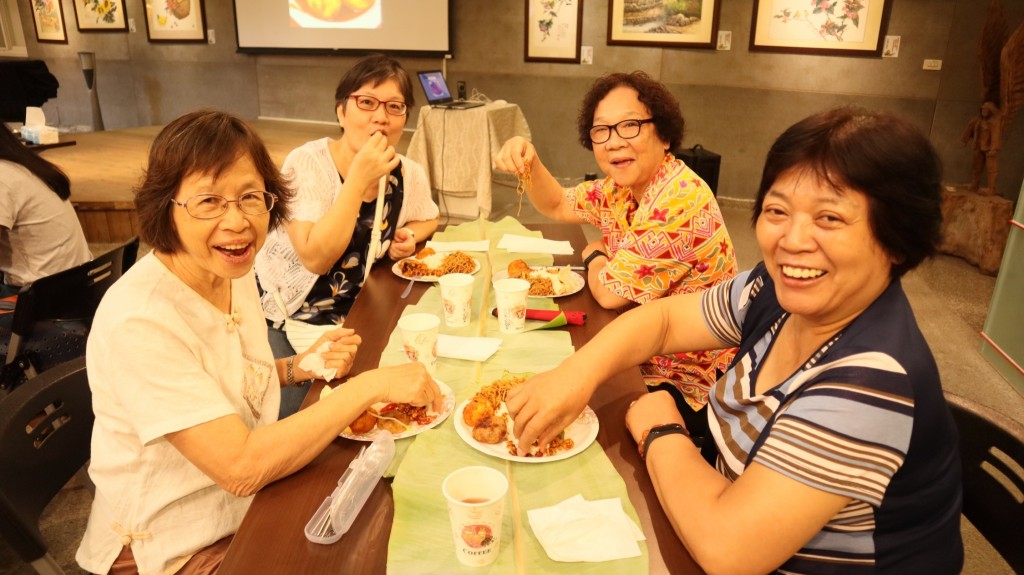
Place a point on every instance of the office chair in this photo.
(45, 435)
(992, 454)
(51, 318)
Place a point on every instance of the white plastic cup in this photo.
(419, 338)
(457, 298)
(510, 295)
(476, 502)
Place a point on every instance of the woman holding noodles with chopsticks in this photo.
(317, 261)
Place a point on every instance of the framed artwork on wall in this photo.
(553, 30)
(101, 16)
(176, 21)
(669, 23)
(48, 17)
(821, 27)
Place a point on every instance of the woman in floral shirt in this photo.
(662, 230)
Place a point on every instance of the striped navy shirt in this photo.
(864, 417)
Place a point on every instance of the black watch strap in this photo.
(661, 431)
(590, 258)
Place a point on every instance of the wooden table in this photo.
(270, 538)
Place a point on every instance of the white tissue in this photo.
(580, 530)
(314, 363)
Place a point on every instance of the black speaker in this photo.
(705, 162)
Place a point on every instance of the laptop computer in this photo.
(438, 94)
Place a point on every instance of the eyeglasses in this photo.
(626, 129)
(209, 206)
(370, 104)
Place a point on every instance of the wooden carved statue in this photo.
(1002, 90)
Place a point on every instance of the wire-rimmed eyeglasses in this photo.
(209, 206)
(370, 104)
(626, 129)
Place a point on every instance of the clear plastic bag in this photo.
(336, 514)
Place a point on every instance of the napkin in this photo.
(469, 348)
(514, 243)
(444, 247)
(314, 363)
(580, 530)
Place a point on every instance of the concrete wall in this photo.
(735, 102)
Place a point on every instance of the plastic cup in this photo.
(457, 298)
(419, 338)
(476, 502)
(510, 295)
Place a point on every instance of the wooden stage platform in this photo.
(105, 166)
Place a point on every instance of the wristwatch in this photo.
(657, 431)
(590, 258)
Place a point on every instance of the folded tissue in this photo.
(580, 530)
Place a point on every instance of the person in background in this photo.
(837, 452)
(184, 386)
(662, 230)
(39, 232)
(316, 260)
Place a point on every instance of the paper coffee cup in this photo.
(510, 296)
(419, 338)
(476, 502)
(457, 298)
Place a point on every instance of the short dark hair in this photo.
(664, 108)
(14, 151)
(376, 68)
(201, 142)
(880, 155)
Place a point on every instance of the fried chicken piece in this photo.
(363, 423)
(425, 253)
(519, 269)
(490, 430)
(476, 411)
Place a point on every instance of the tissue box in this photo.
(40, 134)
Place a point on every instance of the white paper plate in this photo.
(433, 279)
(582, 432)
(577, 281)
(447, 406)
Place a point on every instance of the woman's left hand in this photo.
(344, 343)
(652, 409)
(403, 244)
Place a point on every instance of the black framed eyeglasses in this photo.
(626, 129)
(209, 206)
(370, 104)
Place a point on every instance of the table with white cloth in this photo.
(456, 148)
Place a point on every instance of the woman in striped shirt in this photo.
(836, 451)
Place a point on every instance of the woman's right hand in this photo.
(373, 161)
(515, 156)
(405, 383)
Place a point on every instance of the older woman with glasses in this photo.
(316, 261)
(185, 388)
(837, 451)
(662, 231)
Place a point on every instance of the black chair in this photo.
(51, 318)
(992, 453)
(45, 434)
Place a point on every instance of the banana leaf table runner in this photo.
(421, 539)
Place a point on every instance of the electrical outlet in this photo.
(932, 65)
(131, 25)
(211, 37)
(586, 54)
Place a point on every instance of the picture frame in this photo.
(676, 24)
(48, 20)
(553, 30)
(820, 27)
(176, 21)
(101, 15)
